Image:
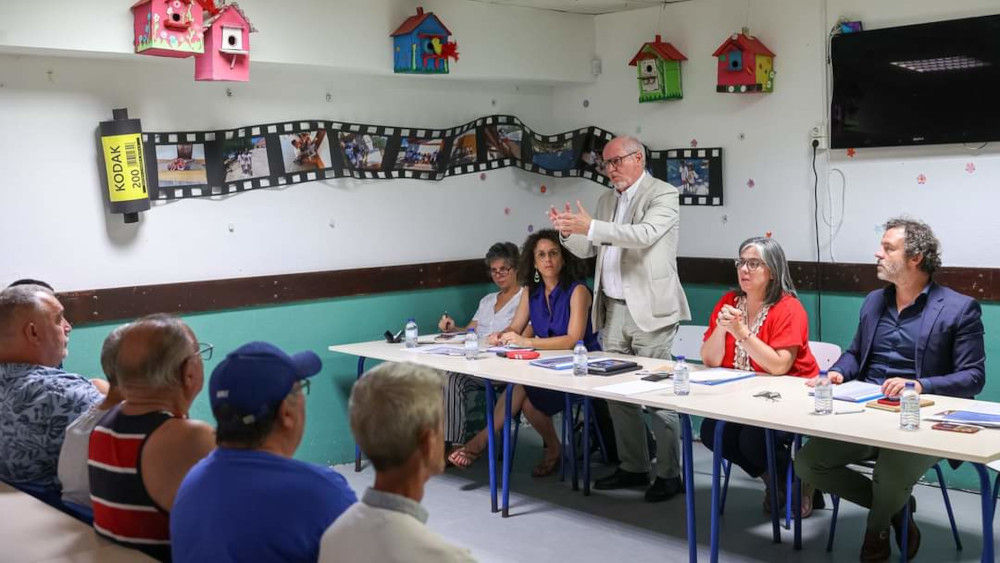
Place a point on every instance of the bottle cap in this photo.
(579, 341)
(680, 358)
(911, 385)
(471, 330)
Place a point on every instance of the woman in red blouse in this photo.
(761, 327)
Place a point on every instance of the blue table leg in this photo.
(716, 470)
(797, 511)
(771, 471)
(357, 448)
(491, 443)
(569, 438)
(586, 446)
(987, 501)
(688, 468)
(506, 450)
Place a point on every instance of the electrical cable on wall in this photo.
(819, 275)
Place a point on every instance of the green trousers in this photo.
(823, 464)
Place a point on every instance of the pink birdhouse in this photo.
(227, 46)
(168, 28)
(745, 65)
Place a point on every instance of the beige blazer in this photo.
(648, 243)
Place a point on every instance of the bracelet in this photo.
(740, 341)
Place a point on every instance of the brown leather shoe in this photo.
(876, 547)
(913, 533)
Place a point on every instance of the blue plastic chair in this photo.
(906, 514)
(789, 478)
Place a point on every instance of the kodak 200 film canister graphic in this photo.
(125, 165)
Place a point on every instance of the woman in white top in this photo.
(496, 310)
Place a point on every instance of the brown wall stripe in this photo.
(103, 305)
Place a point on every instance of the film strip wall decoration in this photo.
(188, 164)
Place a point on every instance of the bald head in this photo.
(153, 353)
(32, 327)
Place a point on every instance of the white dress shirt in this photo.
(611, 271)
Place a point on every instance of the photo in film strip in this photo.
(220, 163)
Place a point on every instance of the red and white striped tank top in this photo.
(123, 510)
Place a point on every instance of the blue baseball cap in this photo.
(254, 379)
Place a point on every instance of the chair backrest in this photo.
(687, 342)
(826, 353)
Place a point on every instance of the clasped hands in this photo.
(731, 320)
(569, 223)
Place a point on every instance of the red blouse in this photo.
(786, 325)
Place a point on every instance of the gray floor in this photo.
(550, 522)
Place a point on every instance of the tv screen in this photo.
(925, 84)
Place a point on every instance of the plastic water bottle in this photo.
(909, 407)
(579, 358)
(824, 394)
(682, 377)
(471, 344)
(411, 333)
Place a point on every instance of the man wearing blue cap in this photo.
(249, 500)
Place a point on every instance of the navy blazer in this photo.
(950, 354)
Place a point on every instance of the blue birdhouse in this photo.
(421, 45)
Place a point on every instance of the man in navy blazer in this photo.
(912, 330)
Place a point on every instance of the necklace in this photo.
(742, 358)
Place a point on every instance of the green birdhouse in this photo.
(658, 68)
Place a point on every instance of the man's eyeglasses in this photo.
(204, 350)
(752, 264)
(500, 271)
(615, 162)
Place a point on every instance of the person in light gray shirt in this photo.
(397, 418)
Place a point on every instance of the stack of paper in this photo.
(856, 391)
(716, 376)
(634, 387)
(983, 415)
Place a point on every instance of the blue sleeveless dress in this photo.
(548, 320)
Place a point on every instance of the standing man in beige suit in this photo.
(638, 300)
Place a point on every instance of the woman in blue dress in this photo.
(554, 313)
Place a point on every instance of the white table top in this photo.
(32, 531)
(733, 402)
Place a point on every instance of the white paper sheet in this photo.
(634, 387)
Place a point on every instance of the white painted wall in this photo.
(55, 226)
(495, 42)
(775, 150)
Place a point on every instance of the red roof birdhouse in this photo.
(658, 71)
(745, 65)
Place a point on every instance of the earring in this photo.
(538, 278)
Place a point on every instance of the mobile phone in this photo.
(951, 427)
(891, 401)
(657, 376)
(393, 339)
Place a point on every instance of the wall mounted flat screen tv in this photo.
(924, 84)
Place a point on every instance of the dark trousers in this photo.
(746, 446)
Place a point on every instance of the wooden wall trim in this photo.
(105, 305)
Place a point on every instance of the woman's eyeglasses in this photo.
(752, 264)
(500, 271)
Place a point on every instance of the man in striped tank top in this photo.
(142, 449)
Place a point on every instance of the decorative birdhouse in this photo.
(659, 71)
(745, 65)
(227, 46)
(421, 45)
(168, 28)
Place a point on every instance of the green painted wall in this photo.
(318, 324)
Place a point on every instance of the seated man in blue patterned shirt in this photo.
(37, 399)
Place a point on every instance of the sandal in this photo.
(807, 500)
(463, 458)
(545, 467)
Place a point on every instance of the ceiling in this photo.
(591, 7)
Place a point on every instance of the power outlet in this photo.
(817, 137)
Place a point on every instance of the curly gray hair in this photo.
(920, 240)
